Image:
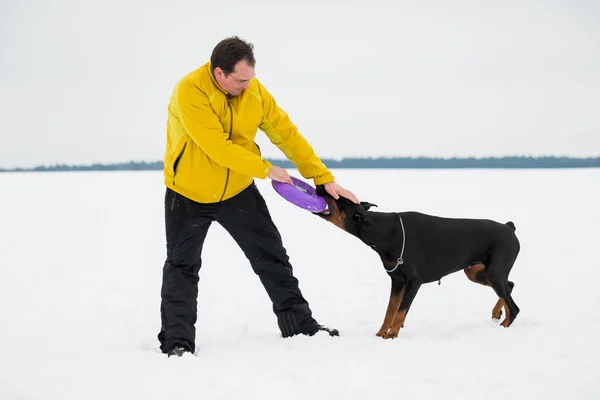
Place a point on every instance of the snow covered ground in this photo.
(81, 259)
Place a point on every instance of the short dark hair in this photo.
(229, 52)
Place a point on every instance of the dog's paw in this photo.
(381, 333)
(497, 310)
(390, 335)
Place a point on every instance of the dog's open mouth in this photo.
(326, 211)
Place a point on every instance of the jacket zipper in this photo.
(230, 131)
(177, 160)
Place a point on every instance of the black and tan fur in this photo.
(434, 247)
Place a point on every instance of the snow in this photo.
(80, 277)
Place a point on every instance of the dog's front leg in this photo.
(395, 298)
(409, 293)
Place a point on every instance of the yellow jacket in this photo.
(211, 155)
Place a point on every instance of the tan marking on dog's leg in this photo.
(471, 272)
(398, 323)
(506, 321)
(497, 311)
(391, 312)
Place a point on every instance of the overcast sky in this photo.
(89, 81)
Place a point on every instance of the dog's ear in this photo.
(367, 205)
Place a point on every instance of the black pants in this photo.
(247, 219)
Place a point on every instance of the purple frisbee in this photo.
(301, 194)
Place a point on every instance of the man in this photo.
(210, 165)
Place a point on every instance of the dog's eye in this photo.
(362, 219)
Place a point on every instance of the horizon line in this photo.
(345, 159)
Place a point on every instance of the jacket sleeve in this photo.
(280, 130)
(205, 129)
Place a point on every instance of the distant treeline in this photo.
(380, 162)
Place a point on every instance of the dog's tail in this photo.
(511, 225)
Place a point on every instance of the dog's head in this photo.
(345, 214)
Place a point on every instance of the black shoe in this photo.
(332, 332)
(178, 351)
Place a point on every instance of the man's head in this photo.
(232, 62)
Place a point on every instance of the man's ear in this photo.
(367, 205)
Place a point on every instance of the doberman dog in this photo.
(417, 248)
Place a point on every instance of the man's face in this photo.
(237, 81)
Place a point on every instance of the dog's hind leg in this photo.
(497, 276)
(497, 311)
(395, 297)
(476, 273)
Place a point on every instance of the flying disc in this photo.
(300, 194)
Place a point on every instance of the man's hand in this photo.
(280, 175)
(336, 191)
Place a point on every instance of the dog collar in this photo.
(399, 261)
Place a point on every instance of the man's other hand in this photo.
(280, 175)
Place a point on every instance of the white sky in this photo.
(80, 297)
(89, 81)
